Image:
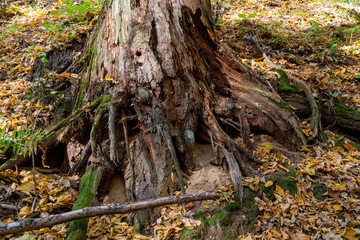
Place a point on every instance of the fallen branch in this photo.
(8, 206)
(37, 223)
(315, 114)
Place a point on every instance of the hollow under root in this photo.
(228, 148)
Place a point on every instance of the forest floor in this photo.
(310, 194)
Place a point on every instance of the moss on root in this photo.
(284, 85)
(88, 187)
(343, 110)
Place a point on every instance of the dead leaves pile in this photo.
(317, 41)
(54, 192)
(25, 39)
(305, 216)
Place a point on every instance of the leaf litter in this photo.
(316, 41)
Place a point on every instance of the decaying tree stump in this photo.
(154, 79)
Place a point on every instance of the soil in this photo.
(207, 178)
(117, 191)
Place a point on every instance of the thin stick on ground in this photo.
(37, 223)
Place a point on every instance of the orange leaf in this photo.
(349, 147)
(337, 149)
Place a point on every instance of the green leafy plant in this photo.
(315, 28)
(43, 57)
(57, 29)
(246, 16)
(80, 12)
(18, 141)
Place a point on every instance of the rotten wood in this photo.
(315, 114)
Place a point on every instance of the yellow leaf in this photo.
(337, 207)
(27, 186)
(349, 147)
(305, 149)
(337, 149)
(341, 186)
(108, 78)
(269, 147)
(25, 211)
(293, 108)
(352, 159)
(350, 234)
(306, 132)
(6, 221)
(269, 183)
(309, 171)
(279, 191)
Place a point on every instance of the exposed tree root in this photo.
(131, 189)
(228, 148)
(114, 156)
(165, 133)
(315, 115)
(37, 223)
(88, 187)
(83, 158)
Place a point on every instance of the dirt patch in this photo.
(117, 191)
(208, 177)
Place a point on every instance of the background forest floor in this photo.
(310, 194)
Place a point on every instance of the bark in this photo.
(169, 70)
(37, 223)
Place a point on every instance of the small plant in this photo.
(43, 57)
(80, 12)
(315, 28)
(245, 17)
(57, 29)
(19, 141)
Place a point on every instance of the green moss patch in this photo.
(190, 234)
(319, 190)
(343, 110)
(284, 84)
(219, 217)
(285, 181)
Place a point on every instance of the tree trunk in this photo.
(159, 60)
(157, 64)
